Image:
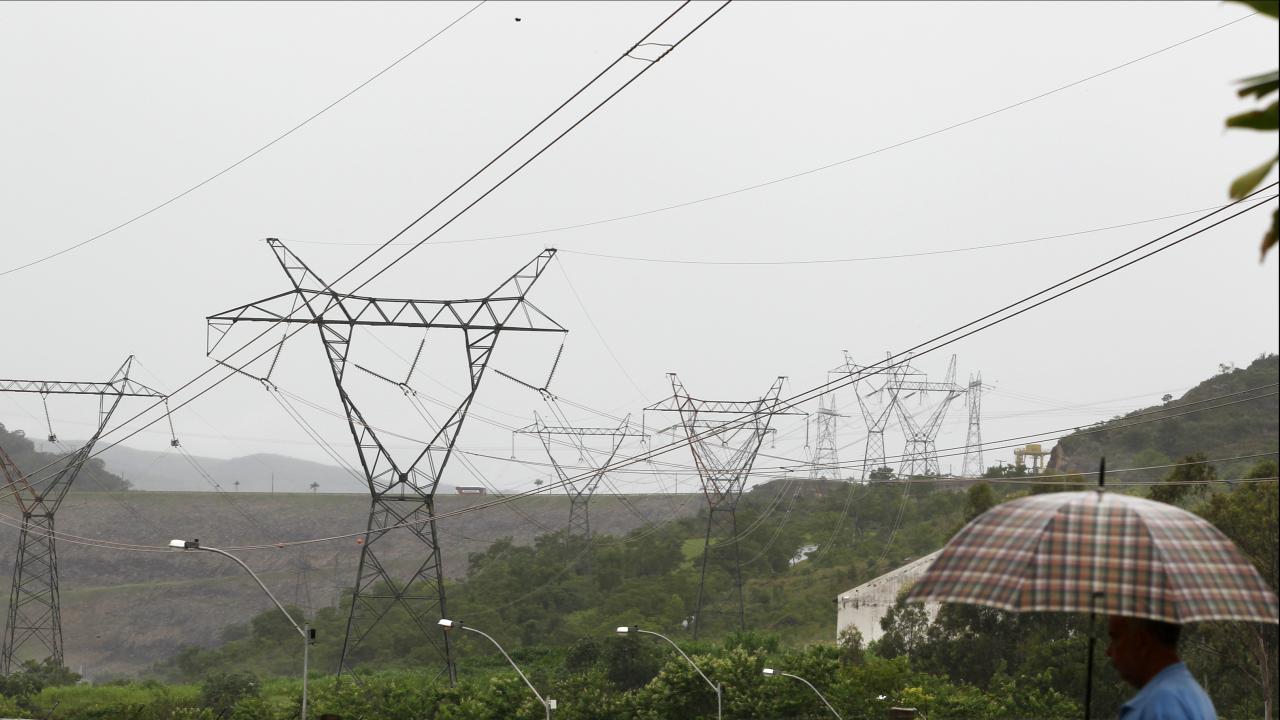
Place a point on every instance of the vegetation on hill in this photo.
(561, 589)
(1246, 423)
(93, 476)
(970, 662)
(554, 605)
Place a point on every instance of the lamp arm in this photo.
(513, 662)
(687, 659)
(258, 580)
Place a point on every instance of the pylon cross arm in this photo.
(515, 314)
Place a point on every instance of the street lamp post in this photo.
(770, 672)
(304, 630)
(717, 687)
(548, 703)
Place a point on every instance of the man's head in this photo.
(1140, 648)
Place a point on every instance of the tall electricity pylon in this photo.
(973, 466)
(402, 494)
(723, 451)
(35, 614)
(826, 458)
(921, 455)
(580, 480)
(875, 415)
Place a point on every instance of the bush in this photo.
(221, 691)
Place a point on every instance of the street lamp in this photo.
(719, 690)
(770, 672)
(308, 635)
(548, 703)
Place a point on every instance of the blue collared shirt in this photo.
(1173, 694)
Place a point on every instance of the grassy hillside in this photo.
(1245, 426)
(93, 476)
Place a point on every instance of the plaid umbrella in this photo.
(1098, 551)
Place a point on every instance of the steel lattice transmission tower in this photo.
(826, 458)
(35, 614)
(579, 482)
(973, 465)
(876, 416)
(402, 494)
(920, 458)
(724, 449)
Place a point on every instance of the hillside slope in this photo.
(1244, 427)
(123, 611)
(45, 459)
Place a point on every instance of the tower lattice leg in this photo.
(34, 610)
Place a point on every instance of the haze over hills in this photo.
(171, 471)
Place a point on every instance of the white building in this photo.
(863, 606)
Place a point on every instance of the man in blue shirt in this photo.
(1145, 653)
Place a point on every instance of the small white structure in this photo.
(863, 606)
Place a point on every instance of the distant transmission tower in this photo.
(300, 568)
(826, 458)
(35, 613)
(875, 415)
(973, 466)
(579, 482)
(724, 449)
(402, 495)
(920, 458)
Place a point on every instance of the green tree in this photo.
(979, 498)
(904, 626)
(1263, 119)
(1188, 479)
(1249, 514)
(222, 690)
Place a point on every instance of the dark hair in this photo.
(1165, 633)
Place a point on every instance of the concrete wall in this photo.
(864, 606)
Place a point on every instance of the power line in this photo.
(954, 335)
(950, 336)
(232, 370)
(855, 158)
(244, 159)
(896, 256)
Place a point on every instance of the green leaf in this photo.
(1259, 85)
(1245, 184)
(1269, 240)
(1256, 119)
(1266, 7)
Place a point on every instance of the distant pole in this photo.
(273, 483)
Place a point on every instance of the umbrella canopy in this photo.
(1098, 551)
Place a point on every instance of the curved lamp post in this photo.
(770, 672)
(304, 630)
(548, 703)
(719, 690)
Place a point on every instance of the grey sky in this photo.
(111, 108)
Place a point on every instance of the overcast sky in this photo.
(113, 108)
